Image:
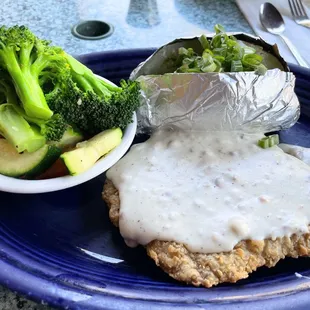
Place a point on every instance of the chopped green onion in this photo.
(219, 58)
(269, 141)
(236, 66)
(207, 57)
(248, 50)
(209, 68)
(218, 66)
(189, 52)
(261, 70)
(218, 40)
(188, 61)
(197, 70)
(219, 28)
(237, 52)
(221, 53)
(208, 51)
(183, 51)
(204, 42)
(231, 43)
(252, 60)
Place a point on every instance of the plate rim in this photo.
(58, 294)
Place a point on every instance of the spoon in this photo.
(273, 22)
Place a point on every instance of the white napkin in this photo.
(299, 35)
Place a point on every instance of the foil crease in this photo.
(215, 101)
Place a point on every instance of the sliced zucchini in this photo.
(70, 138)
(88, 152)
(26, 164)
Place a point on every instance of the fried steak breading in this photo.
(211, 269)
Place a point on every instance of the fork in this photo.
(299, 13)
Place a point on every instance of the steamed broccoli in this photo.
(52, 90)
(25, 58)
(17, 131)
(90, 103)
(52, 129)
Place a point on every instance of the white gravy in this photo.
(210, 190)
(299, 152)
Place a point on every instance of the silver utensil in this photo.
(299, 13)
(273, 22)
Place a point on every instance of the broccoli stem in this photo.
(83, 83)
(88, 81)
(26, 83)
(109, 86)
(17, 131)
(31, 95)
(97, 87)
(25, 53)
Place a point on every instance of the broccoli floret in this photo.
(17, 130)
(92, 104)
(52, 129)
(26, 58)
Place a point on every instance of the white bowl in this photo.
(13, 185)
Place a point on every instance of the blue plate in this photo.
(61, 248)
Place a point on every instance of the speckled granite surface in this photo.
(138, 23)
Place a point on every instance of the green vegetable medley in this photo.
(222, 53)
(44, 92)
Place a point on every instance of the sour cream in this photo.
(210, 190)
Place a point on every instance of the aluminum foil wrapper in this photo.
(216, 101)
